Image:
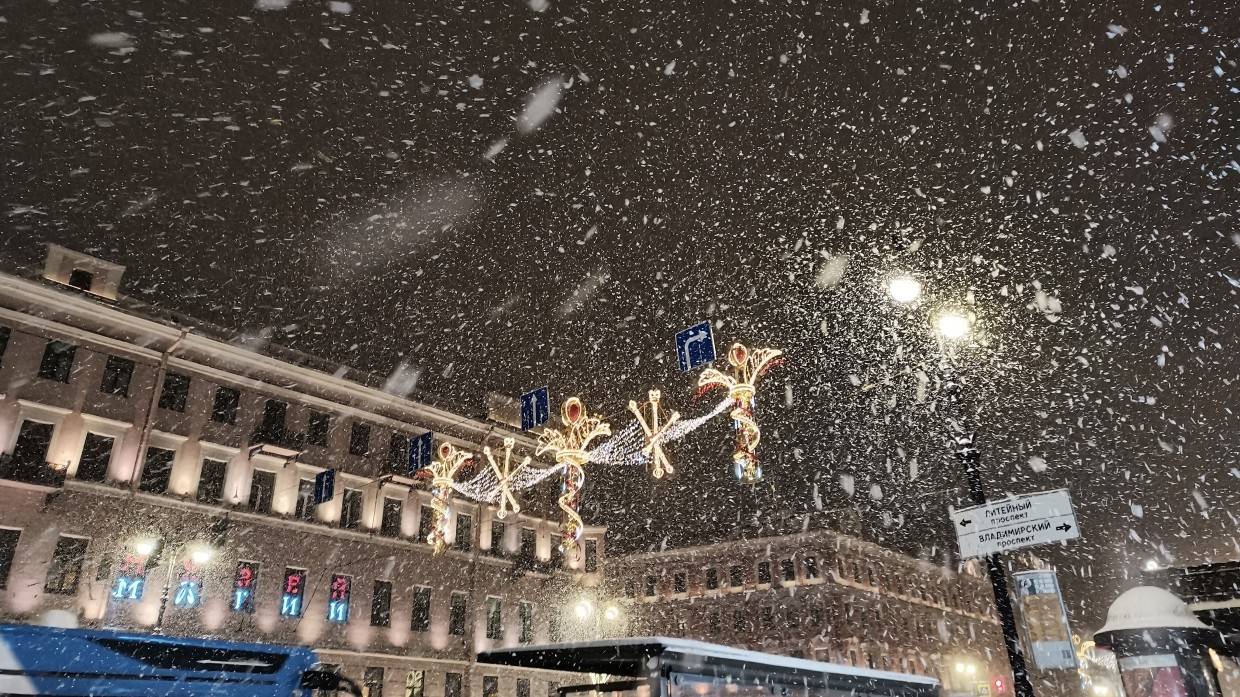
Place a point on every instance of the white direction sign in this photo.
(1014, 523)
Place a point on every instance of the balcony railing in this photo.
(277, 442)
(35, 472)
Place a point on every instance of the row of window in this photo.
(57, 365)
(765, 574)
(453, 686)
(64, 575)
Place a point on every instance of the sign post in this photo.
(695, 346)
(1045, 619)
(1028, 520)
(420, 452)
(324, 486)
(535, 408)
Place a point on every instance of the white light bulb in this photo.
(611, 613)
(904, 289)
(144, 547)
(200, 556)
(583, 609)
(953, 325)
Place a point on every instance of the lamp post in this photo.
(954, 325)
(201, 554)
(596, 617)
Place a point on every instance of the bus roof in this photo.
(629, 658)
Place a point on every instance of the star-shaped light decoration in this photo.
(569, 448)
(653, 449)
(505, 475)
(442, 472)
(747, 367)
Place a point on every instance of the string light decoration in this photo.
(747, 366)
(569, 448)
(442, 472)
(652, 450)
(505, 477)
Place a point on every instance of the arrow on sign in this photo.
(965, 522)
(1065, 527)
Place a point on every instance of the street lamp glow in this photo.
(200, 556)
(610, 613)
(144, 547)
(904, 289)
(953, 325)
(959, 667)
(1151, 565)
(583, 609)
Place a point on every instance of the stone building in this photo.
(822, 595)
(158, 471)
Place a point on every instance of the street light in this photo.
(611, 613)
(1151, 565)
(904, 289)
(583, 609)
(145, 547)
(953, 324)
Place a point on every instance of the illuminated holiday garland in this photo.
(653, 448)
(442, 472)
(747, 367)
(505, 477)
(569, 449)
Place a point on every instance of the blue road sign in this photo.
(420, 451)
(695, 346)
(324, 486)
(535, 408)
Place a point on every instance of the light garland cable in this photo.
(747, 367)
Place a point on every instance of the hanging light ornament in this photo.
(747, 367)
(653, 449)
(505, 475)
(442, 472)
(569, 448)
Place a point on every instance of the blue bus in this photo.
(37, 660)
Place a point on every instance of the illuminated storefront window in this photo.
(294, 592)
(338, 598)
(245, 583)
(131, 576)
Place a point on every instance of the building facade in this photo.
(154, 474)
(825, 596)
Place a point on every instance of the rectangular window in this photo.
(66, 569)
(57, 361)
(713, 622)
(131, 574)
(211, 481)
(351, 509)
(456, 614)
(5, 332)
(189, 585)
(398, 453)
(498, 532)
(339, 593)
(381, 605)
(415, 683)
(811, 567)
(28, 462)
(768, 617)
(591, 554)
(294, 592)
(736, 577)
(359, 439)
(421, 620)
(426, 521)
(245, 584)
(156, 470)
(452, 685)
(372, 682)
(317, 428)
(490, 686)
(739, 621)
(96, 454)
(262, 491)
(529, 544)
(275, 416)
(81, 279)
(553, 627)
(495, 618)
(305, 499)
(390, 524)
(224, 408)
(8, 549)
(525, 613)
(652, 586)
(787, 570)
(764, 572)
(175, 392)
(712, 579)
(464, 541)
(523, 687)
(679, 583)
(117, 373)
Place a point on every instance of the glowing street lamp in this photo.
(583, 609)
(145, 547)
(611, 613)
(953, 324)
(904, 289)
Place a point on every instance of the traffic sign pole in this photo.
(971, 461)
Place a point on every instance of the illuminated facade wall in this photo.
(137, 483)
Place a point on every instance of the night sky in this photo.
(493, 196)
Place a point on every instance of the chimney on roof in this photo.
(83, 272)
